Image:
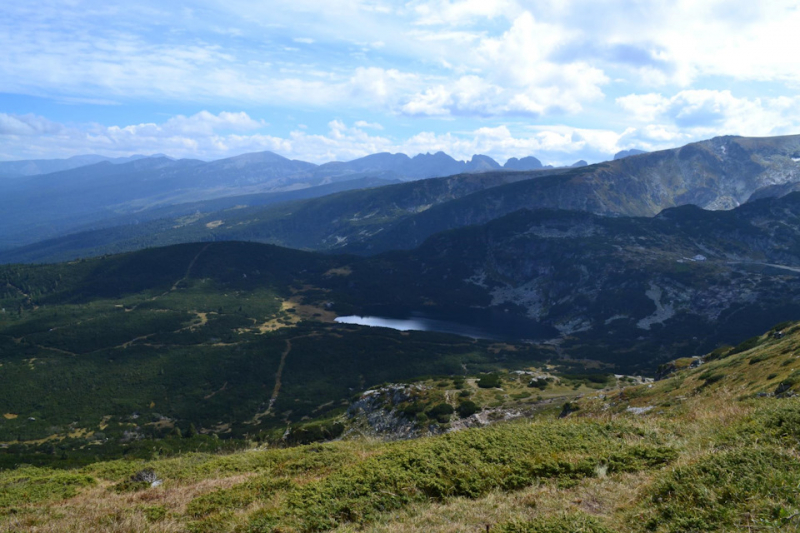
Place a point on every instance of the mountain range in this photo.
(34, 167)
(720, 173)
(79, 193)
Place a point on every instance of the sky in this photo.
(316, 80)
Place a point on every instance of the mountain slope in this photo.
(34, 167)
(323, 223)
(628, 291)
(66, 200)
(162, 226)
(711, 448)
(717, 174)
(628, 153)
(617, 289)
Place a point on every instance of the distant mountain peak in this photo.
(526, 163)
(482, 163)
(628, 153)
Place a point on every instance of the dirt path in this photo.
(57, 350)
(277, 389)
(203, 317)
(175, 285)
(278, 375)
(189, 268)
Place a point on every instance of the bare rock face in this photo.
(376, 413)
(623, 288)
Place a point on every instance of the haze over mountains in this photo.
(717, 174)
(35, 167)
(83, 190)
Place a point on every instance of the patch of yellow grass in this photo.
(10, 416)
(100, 509)
(341, 271)
(605, 497)
(294, 311)
(81, 433)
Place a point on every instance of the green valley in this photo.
(710, 447)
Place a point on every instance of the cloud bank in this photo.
(488, 75)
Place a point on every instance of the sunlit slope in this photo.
(688, 453)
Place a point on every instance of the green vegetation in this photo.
(571, 523)
(161, 352)
(720, 491)
(490, 381)
(687, 453)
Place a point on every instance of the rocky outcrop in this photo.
(675, 285)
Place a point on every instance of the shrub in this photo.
(314, 432)
(539, 383)
(711, 377)
(463, 464)
(749, 344)
(716, 492)
(490, 381)
(155, 513)
(441, 412)
(467, 408)
(720, 353)
(568, 408)
(413, 409)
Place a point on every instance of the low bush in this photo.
(28, 485)
(749, 344)
(467, 408)
(739, 489)
(490, 381)
(441, 412)
(566, 523)
(468, 463)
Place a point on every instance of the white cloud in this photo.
(27, 125)
(516, 78)
(206, 123)
(643, 107)
(434, 101)
(379, 86)
(449, 12)
(704, 113)
(474, 63)
(368, 125)
(504, 57)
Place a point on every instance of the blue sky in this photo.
(558, 79)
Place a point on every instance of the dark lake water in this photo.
(473, 323)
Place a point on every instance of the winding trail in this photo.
(175, 285)
(278, 374)
(189, 268)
